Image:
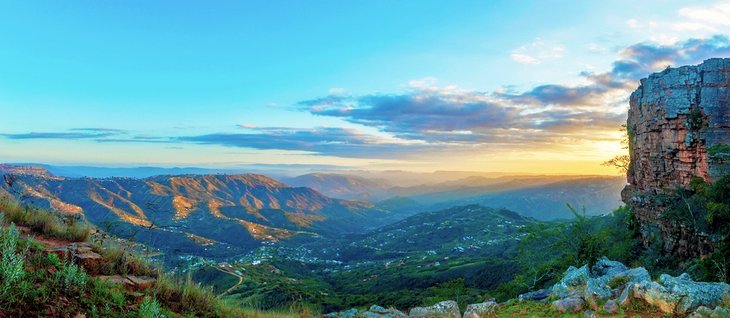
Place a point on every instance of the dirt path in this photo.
(229, 272)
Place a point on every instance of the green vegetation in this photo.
(705, 208)
(46, 222)
(550, 248)
(719, 151)
(36, 283)
(541, 310)
(696, 119)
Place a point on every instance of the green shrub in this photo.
(618, 281)
(54, 224)
(719, 151)
(72, 279)
(12, 271)
(149, 308)
(121, 261)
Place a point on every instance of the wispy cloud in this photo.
(707, 17)
(74, 133)
(537, 52)
(341, 142)
(542, 114)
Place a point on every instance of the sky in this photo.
(510, 86)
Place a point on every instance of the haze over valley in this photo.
(381, 159)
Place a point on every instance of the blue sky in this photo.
(532, 86)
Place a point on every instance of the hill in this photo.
(342, 185)
(213, 215)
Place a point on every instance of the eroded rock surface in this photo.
(678, 123)
(448, 308)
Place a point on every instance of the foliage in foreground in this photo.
(36, 283)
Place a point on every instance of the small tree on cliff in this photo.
(621, 162)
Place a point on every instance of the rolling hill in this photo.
(196, 214)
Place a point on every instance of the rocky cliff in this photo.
(679, 128)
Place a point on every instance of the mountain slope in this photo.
(196, 213)
(342, 186)
(470, 229)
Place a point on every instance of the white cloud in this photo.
(718, 14)
(524, 58)
(336, 91)
(632, 23)
(537, 52)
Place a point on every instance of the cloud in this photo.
(427, 119)
(641, 59)
(715, 15)
(341, 142)
(537, 52)
(541, 115)
(633, 23)
(524, 58)
(74, 133)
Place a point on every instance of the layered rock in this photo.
(614, 285)
(679, 127)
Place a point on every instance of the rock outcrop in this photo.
(485, 309)
(681, 294)
(614, 285)
(679, 128)
(448, 308)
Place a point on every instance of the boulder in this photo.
(625, 297)
(589, 314)
(679, 295)
(378, 309)
(350, 313)
(90, 261)
(571, 304)
(534, 295)
(480, 310)
(604, 267)
(704, 312)
(142, 283)
(572, 280)
(448, 308)
(610, 307)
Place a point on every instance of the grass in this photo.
(35, 283)
(119, 260)
(719, 151)
(48, 223)
(540, 310)
(618, 281)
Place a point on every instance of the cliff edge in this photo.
(679, 128)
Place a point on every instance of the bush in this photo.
(72, 279)
(149, 308)
(618, 281)
(12, 271)
(121, 261)
(67, 227)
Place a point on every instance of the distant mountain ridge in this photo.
(343, 186)
(226, 212)
(540, 196)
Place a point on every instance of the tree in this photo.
(621, 162)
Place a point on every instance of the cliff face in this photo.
(678, 125)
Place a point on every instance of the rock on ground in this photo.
(534, 295)
(572, 304)
(447, 308)
(704, 312)
(610, 307)
(679, 295)
(481, 310)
